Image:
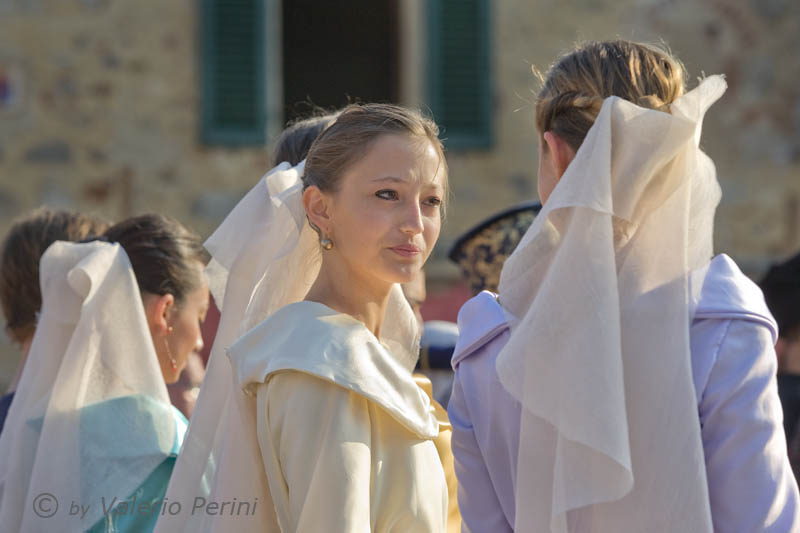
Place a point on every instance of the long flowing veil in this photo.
(91, 418)
(597, 296)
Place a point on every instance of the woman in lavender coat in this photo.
(737, 476)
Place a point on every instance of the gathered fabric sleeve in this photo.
(751, 485)
(315, 441)
(477, 500)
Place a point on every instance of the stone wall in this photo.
(752, 133)
(100, 114)
(104, 115)
(99, 105)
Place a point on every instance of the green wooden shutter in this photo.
(458, 71)
(233, 71)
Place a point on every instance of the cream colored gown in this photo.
(345, 433)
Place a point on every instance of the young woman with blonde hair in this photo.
(622, 380)
(314, 420)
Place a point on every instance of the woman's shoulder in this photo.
(302, 391)
(732, 330)
(145, 422)
(726, 293)
(304, 336)
(297, 321)
(481, 320)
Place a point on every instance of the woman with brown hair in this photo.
(91, 437)
(324, 425)
(622, 380)
(20, 293)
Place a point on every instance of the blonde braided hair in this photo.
(576, 85)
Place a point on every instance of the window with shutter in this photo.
(458, 71)
(339, 52)
(233, 72)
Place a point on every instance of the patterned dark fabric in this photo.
(481, 251)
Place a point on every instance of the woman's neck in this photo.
(346, 291)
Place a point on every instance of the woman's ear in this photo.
(560, 151)
(317, 207)
(156, 309)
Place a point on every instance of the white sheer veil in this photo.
(91, 418)
(597, 295)
(264, 256)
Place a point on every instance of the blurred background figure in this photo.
(781, 287)
(295, 141)
(183, 393)
(436, 348)
(20, 290)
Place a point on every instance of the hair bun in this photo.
(570, 103)
(570, 98)
(101, 238)
(652, 101)
(565, 101)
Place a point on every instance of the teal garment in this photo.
(140, 510)
(136, 434)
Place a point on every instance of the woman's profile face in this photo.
(186, 337)
(385, 216)
(175, 327)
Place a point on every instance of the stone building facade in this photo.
(101, 106)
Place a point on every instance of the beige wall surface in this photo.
(100, 111)
(752, 133)
(104, 116)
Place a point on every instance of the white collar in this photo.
(313, 338)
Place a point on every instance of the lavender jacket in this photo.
(751, 485)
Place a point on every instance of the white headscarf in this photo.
(264, 256)
(91, 418)
(597, 293)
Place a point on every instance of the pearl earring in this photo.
(324, 241)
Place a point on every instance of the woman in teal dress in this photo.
(91, 438)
